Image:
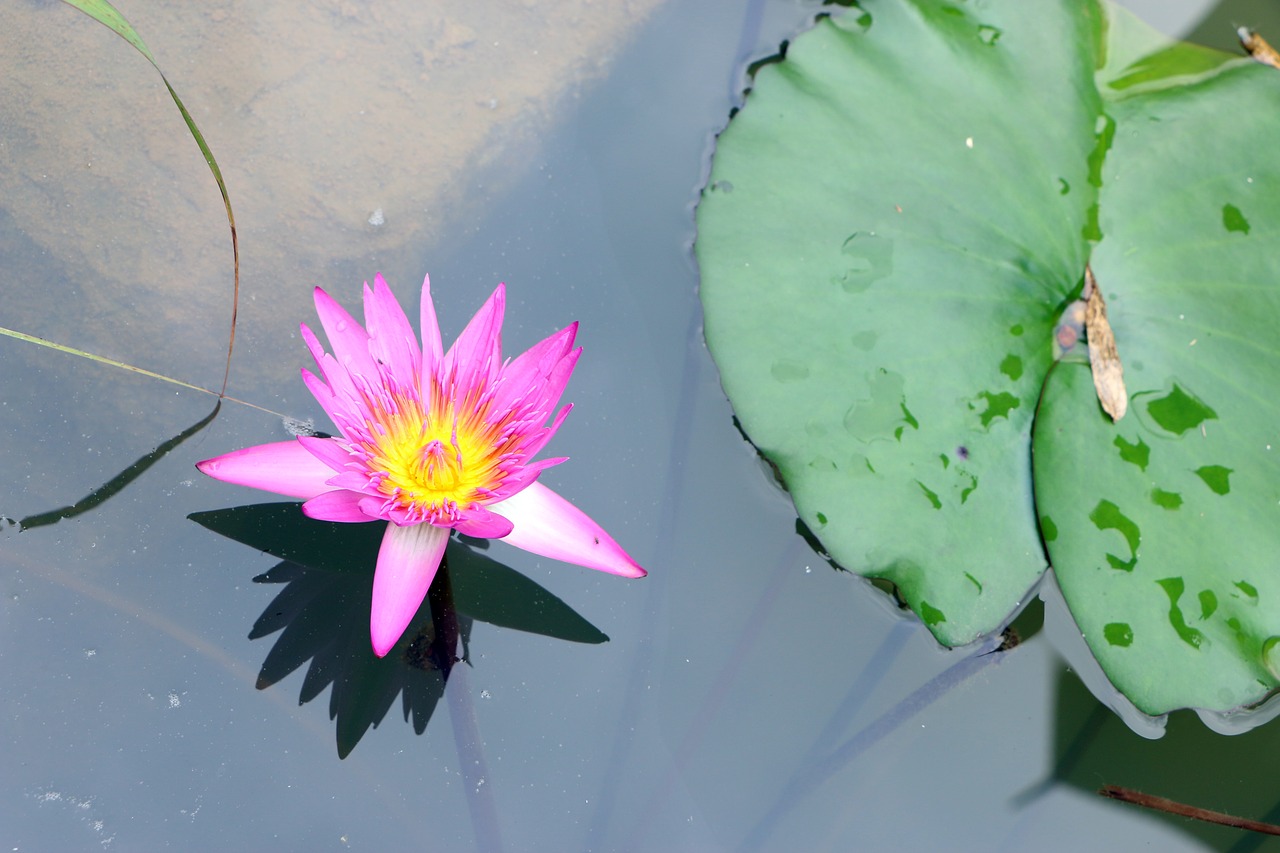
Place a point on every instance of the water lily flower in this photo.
(430, 442)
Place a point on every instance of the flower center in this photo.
(434, 463)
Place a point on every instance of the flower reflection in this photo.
(323, 589)
(430, 441)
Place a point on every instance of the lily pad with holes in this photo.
(893, 243)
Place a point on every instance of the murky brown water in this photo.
(340, 140)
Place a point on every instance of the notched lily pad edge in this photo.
(1021, 624)
(1044, 608)
(1227, 722)
(1065, 636)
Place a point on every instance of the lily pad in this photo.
(896, 224)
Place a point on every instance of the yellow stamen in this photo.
(437, 462)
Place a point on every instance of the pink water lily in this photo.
(431, 442)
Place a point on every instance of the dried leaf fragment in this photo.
(1258, 48)
(1104, 360)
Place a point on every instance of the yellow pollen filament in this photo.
(432, 463)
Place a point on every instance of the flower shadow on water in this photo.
(322, 615)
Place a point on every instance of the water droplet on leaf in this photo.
(1107, 516)
(1249, 590)
(1135, 454)
(998, 406)
(930, 614)
(1118, 634)
(785, 370)
(885, 414)
(930, 494)
(868, 258)
(1011, 367)
(1208, 603)
(1174, 587)
(1233, 220)
(865, 341)
(1216, 477)
(1179, 411)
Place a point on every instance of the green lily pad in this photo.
(897, 222)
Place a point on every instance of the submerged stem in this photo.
(1163, 804)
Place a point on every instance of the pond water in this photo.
(167, 687)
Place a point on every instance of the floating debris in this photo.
(296, 426)
(1104, 360)
(1258, 48)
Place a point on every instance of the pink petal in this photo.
(432, 349)
(475, 356)
(391, 338)
(355, 480)
(519, 479)
(538, 440)
(348, 338)
(547, 524)
(538, 361)
(285, 467)
(337, 505)
(328, 451)
(313, 344)
(341, 392)
(531, 369)
(559, 377)
(377, 507)
(325, 397)
(407, 563)
(342, 386)
(483, 524)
